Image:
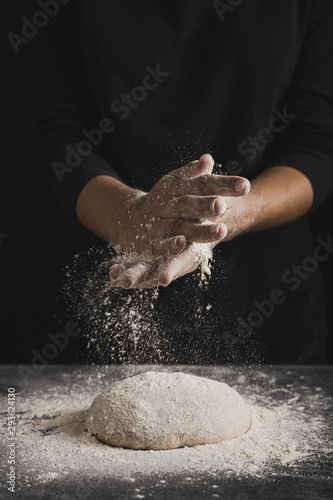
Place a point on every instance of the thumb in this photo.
(195, 168)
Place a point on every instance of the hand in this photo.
(175, 212)
(176, 203)
(161, 270)
(279, 195)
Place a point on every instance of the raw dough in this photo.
(160, 411)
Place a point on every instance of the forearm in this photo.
(101, 207)
(141, 222)
(278, 196)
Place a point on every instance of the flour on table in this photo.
(55, 447)
(159, 411)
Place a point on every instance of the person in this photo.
(135, 101)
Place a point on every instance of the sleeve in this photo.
(307, 142)
(63, 106)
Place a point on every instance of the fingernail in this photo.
(239, 185)
(206, 154)
(215, 229)
(179, 242)
(175, 243)
(127, 282)
(224, 231)
(242, 186)
(218, 206)
(162, 280)
(114, 273)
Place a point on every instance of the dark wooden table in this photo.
(310, 479)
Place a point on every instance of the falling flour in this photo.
(124, 326)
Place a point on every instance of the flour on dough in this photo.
(160, 411)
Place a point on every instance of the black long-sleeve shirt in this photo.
(156, 84)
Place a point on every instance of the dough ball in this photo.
(160, 411)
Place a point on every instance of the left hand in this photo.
(148, 272)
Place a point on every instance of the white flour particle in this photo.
(51, 432)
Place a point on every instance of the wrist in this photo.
(102, 208)
(244, 213)
(278, 196)
(128, 219)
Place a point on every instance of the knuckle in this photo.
(205, 184)
(203, 179)
(183, 206)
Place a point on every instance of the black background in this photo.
(35, 250)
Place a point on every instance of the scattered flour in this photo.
(124, 326)
(53, 441)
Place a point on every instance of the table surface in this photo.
(42, 398)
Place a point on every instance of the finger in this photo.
(116, 271)
(195, 168)
(178, 265)
(196, 232)
(195, 207)
(140, 274)
(223, 185)
(142, 284)
(204, 233)
(168, 246)
(135, 274)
